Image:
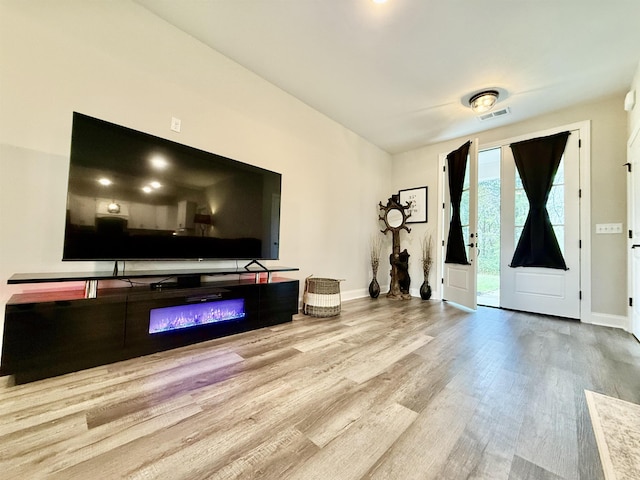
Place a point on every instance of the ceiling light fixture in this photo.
(159, 163)
(483, 101)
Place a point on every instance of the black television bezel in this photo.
(177, 258)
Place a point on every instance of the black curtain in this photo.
(456, 167)
(537, 161)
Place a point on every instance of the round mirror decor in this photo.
(394, 218)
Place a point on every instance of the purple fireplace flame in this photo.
(186, 316)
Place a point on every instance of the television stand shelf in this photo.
(91, 291)
(55, 332)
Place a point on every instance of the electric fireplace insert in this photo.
(192, 315)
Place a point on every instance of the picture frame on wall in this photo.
(418, 198)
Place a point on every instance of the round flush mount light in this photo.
(104, 181)
(483, 101)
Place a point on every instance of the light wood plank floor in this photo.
(387, 390)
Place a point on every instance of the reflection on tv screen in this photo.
(135, 196)
(186, 316)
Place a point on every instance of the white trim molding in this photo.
(361, 293)
(608, 320)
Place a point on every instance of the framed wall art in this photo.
(418, 198)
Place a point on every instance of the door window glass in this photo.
(464, 210)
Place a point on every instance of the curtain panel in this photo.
(456, 168)
(537, 161)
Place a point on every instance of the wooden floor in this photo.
(387, 390)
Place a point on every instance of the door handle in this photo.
(635, 245)
(470, 245)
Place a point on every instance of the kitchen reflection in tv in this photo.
(167, 319)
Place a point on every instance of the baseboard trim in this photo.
(360, 293)
(364, 292)
(608, 320)
(600, 319)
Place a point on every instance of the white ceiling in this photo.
(398, 73)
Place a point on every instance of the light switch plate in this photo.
(608, 228)
(176, 124)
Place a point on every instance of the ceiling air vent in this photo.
(497, 113)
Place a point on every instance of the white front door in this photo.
(459, 281)
(533, 289)
(633, 157)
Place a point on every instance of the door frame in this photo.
(632, 195)
(585, 201)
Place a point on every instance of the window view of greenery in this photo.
(489, 227)
(464, 210)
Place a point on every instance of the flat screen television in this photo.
(135, 196)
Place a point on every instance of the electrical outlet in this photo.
(608, 228)
(176, 123)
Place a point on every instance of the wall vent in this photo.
(497, 113)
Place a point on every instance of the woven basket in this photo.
(321, 297)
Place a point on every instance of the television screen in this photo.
(134, 196)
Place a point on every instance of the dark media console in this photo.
(52, 333)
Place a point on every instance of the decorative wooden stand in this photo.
(395, 217)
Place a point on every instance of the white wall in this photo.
(115, 61)
(634, 114)
(608, 191)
